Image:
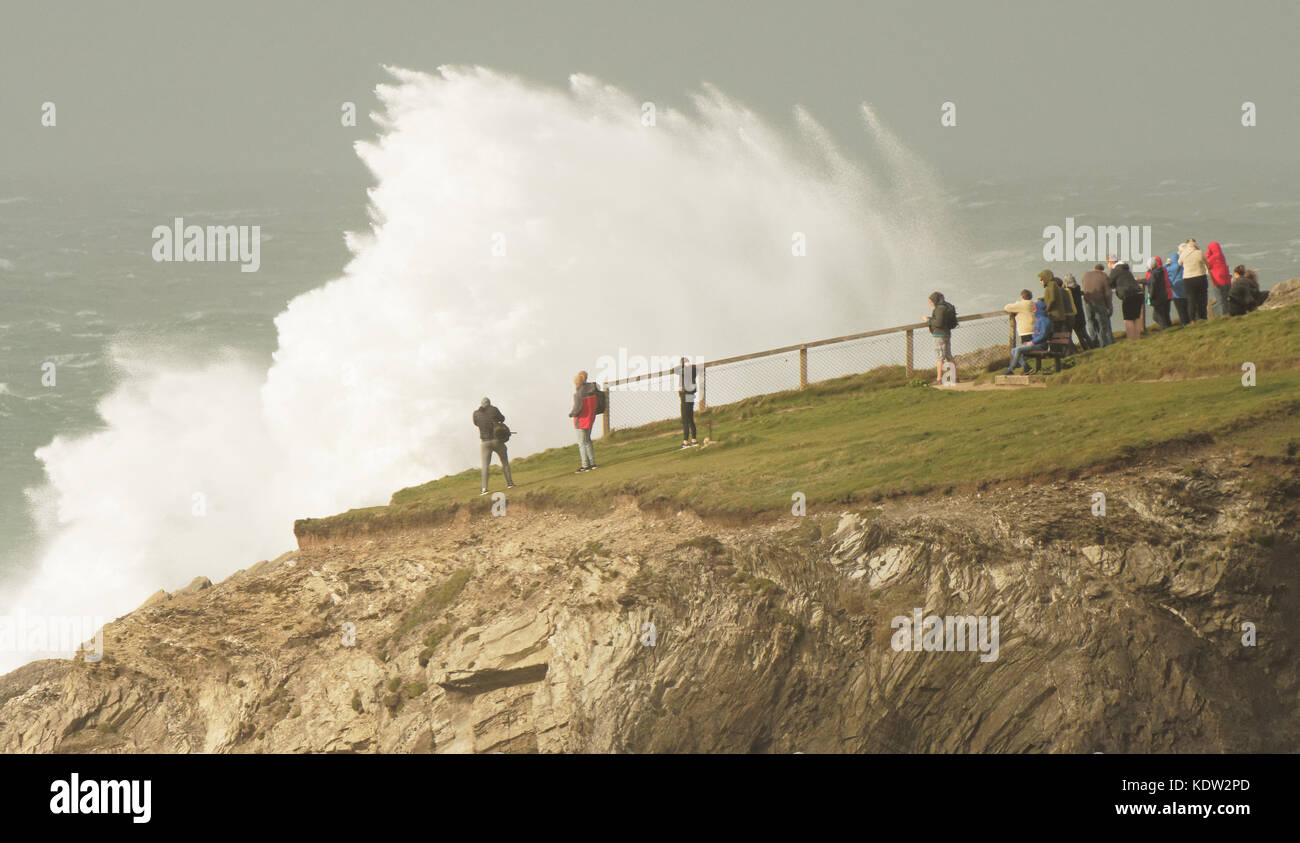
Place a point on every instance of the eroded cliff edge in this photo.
(1120, 633)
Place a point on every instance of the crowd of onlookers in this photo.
(1067, 309)
(1079, 312)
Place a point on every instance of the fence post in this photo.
(1014, 341)
(704, 386)
(909, 352)
(604, 429)
(803, 367)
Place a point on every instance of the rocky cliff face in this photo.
(532, 632)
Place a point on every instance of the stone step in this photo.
(1020, 380)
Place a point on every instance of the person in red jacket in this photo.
(584, 416)
(1219, 275)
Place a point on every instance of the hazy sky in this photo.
(230, 86)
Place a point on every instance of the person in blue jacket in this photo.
(1175, 272)
(1037, 342)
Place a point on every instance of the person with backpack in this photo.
(686, 378)
(943, 318)
(492, 434)
(1037, 341)
(587, 404)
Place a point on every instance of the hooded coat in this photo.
(1158, 282)
(1218, 265)
(584, 406)
(486, 418)
(1053, 297)
(1175, 275)
(935, 322)
(1042, 324)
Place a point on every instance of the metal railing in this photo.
(977, 341)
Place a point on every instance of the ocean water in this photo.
(77, 281)
(499, 237)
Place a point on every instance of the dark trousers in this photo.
(1183, 316)
(1161, 311)
(1081, 331)
(688, 419)
(1198, 301)
(487, 448)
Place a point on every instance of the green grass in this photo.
(1266, 338)
(866, 437)
(432, 603)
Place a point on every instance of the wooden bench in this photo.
(1058, 348)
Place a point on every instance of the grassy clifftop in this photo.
(865, 437)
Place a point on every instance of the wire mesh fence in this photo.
(643, 402)
(854, 357)
(978, 342)
(729, 382)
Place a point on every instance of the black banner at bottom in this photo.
(125, 794)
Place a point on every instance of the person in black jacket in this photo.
(486, 418)
(943, 316)
(1129, 293)
(1077, 322)
(686, 377)
(1244, 294)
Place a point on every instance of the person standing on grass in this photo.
(486, 418)
(1219, 275)
(1097, 305)
(1196, 280)
(1023, 308)
(584, 416)
(1054, 298)
(1076, 320)
(943, 318)
(1177, 292)
(1037, 340)
(686, 378)
(1129, 293)
(1157, 284)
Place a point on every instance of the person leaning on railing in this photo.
(1023, 308)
